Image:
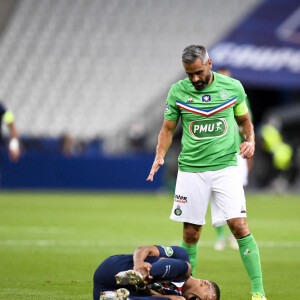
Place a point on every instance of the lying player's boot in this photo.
(120, 294)
(108, 295)
(129, 277)
(258, 296)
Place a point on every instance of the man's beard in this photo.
(203, 83)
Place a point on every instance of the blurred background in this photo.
(87, 81)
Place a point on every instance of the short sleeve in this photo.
(173, 252)
(240, 93)
(172, 112)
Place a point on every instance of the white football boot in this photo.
(129, 277)
(120, 294)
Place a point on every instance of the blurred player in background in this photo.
(7, 117)
(224, 235)
(208, 104)
(151, 273)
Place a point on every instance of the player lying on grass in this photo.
(151, 273)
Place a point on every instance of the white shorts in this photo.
(193, 191)
(243, 169)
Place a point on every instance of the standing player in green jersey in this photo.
(208, 105)
(224, 235)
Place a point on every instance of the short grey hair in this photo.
(192, 52)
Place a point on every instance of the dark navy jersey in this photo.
(2, 112)
(104, 277)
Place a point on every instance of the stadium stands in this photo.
(90, 68)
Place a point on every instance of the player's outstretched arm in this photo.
(246, 129)
(164, 142)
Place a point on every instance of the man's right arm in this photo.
(164, 142)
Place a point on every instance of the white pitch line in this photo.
(102, 243)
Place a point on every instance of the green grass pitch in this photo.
(51, 243)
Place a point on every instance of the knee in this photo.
(239, 227)
(191, 233)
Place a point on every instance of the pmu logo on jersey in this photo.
(206, 98)
(208, 128)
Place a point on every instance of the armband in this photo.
(241, 109)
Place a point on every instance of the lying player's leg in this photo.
(104, 276)
(164, 269)
(170, 269)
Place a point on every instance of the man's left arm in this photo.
(246, 131)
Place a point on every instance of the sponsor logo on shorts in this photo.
(168, 250)
(208, 128)
(190, 100)
(246, 252)
(243, 210)
(177, 211)
(180, 199)
(206, 98)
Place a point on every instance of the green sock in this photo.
(250, 257)
(220, 233)
(192, 250)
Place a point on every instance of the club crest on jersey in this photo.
(168, 250)
(208, 128)
(224, 94)
(167, 108)
(206, 98)
(190, 100)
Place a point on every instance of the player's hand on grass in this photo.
(156, 165)
(247, 149)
